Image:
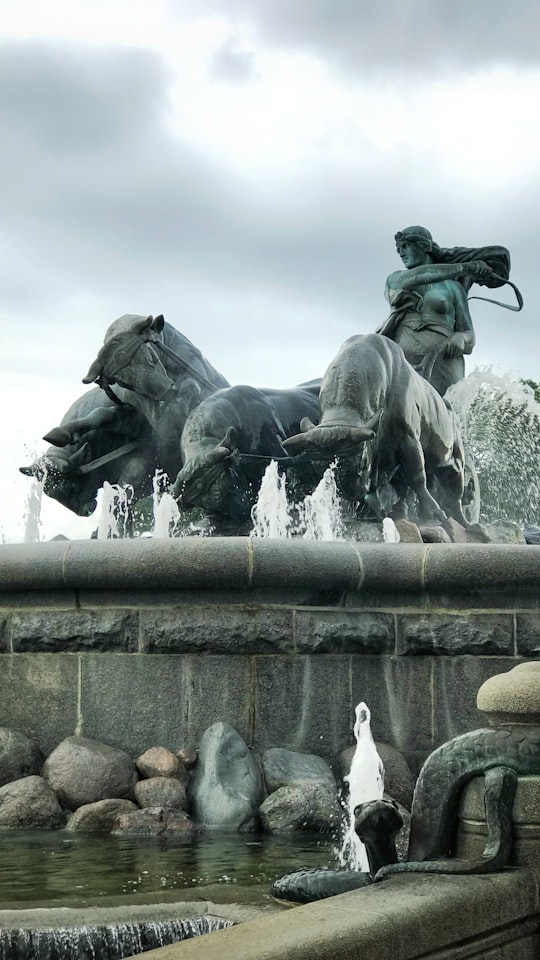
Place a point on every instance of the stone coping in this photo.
(245, 563)
(401, 919)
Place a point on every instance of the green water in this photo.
(66, 869)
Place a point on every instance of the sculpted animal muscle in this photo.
(386, 424)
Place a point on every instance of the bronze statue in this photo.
(430, 316)
(387, 426)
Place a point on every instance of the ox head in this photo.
(130, 357)
(60, 473)
(212, 481)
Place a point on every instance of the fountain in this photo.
(149, 640)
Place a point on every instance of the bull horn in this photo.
(58, 437)
(28, 471)
(94, 372)
(360, 434)
(299, 442)
(158, 323)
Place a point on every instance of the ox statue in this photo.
(387, 425)
(96, 441)
(229, 440)
(124, 434)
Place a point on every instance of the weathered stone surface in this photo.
(398, 692)
(528, 634)
(308, 806)
(82, 771)
(434, 535)
(27, 682)
(161, 792)
(158, 762)
(398, 777)
(453, 634)
(138, 701)
(455, 683)
(98, 817)
(228, 629)
(343, 631)
(50, 631)
(153, 822)
(408, 532)
(504, 531)
(19, 756)
(5, 632)
(30, 803)
(292, 705)
(513, 696)
(283, 768)
(188, 757)
(226, 788)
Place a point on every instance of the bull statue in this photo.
(227, 443)
(387, 426)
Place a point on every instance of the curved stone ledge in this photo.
(243, 563)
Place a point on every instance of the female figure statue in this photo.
(430, 316)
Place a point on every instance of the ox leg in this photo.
(450, 489)
(413, 470)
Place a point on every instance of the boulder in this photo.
(153, 822)
(98, 817)
(31, 803)
(158, 762)
(187, 756)
(82, 771)
(226, 788)
(308, 806)
(161, 792)
(19, 756)
(283, 768)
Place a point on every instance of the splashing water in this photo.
(271, 514)
(165, 509)
(321, 511)
(500, 422)
(318, 517)
(115, 512)
(32, 513)
(366, 782)
(390, 532)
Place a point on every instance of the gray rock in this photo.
(98, 817)
(82, 771)
(227, 787)
(505, 531)
(187, 756)
(31, 803)
(158, 762)
(153, 822)
(308, 806)
(284, 768)
(19, 756)
(161, 792)
(398, 778)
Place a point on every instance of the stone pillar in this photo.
(507, 700)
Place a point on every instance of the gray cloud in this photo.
(397, 34)
(232, 63)
(102, 204)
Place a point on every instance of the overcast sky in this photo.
(242, 166)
